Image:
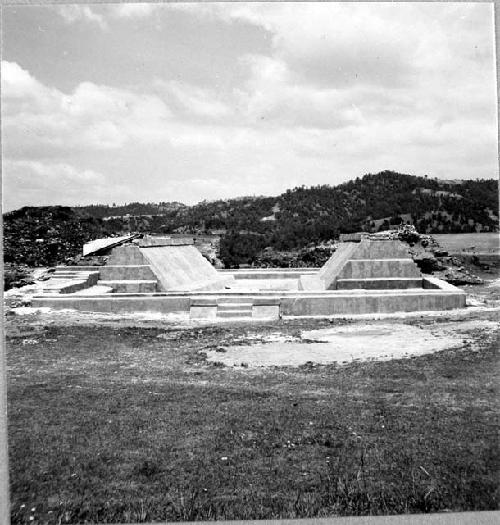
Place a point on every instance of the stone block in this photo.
(203, 312)
(379, 283)
(127, 272)
(266, 312)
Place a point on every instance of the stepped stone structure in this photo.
(170, 275)
(369, 265)
(127, 271)
(152, 264)
(69, 281)
(366, 265)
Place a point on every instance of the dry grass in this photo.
(129, 424)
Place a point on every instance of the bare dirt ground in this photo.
(346, 344)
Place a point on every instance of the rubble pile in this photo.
(21, 283)
(46, 236)
(427, 254)
(406, 233)
(87, 260)
(432, 259)
(459, 276)
(16, 276)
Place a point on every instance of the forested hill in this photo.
(320, 212)
(297, 218)
(100, 211)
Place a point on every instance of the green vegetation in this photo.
(116, 424)
(99, 211)
(47, 235)
(304, 215)
(294, 220)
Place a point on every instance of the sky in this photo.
(117, 103)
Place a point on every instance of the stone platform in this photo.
(360, 278)
(437, 295)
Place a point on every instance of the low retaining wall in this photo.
(370, 303)
(116, 303)
(446, 297)
(270, 273)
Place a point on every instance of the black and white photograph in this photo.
(251, 263)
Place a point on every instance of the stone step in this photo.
(126, 255)
(383, 249)
(131, 286)
(234, 313)
(65, 286)
(74, 269)
(77, 268)
(239, 309)
(234, 306)
(379, 268)
(133, 272)
(236, 299)
(74, 275)
(380, 283)
(70, 282)
(71, 275)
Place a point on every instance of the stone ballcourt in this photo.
(165, 275)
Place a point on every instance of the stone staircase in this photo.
(130, 285)
(366, 265)
(128, 278)
(233, 308)
(128, 255)
(381, 273)
(70, 280)
(120, 278)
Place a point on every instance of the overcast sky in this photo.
(185, 102)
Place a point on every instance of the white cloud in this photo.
(91, 117)
(62, 172)
(35, 182)
(194, 100)
(131, 10)
(347, 43)
(17, 82)
(101, 14)
(335, 65)
(76, 12)
(100, 118)
(272, 97)
(343, 90)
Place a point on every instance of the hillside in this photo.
(312, 214)
(299, 218)
(44, 236)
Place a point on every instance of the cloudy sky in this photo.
(157, 102)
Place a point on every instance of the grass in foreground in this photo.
(125, 425)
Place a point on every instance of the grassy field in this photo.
(457, 242)
(127, 424)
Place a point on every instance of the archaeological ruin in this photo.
(162, 274)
